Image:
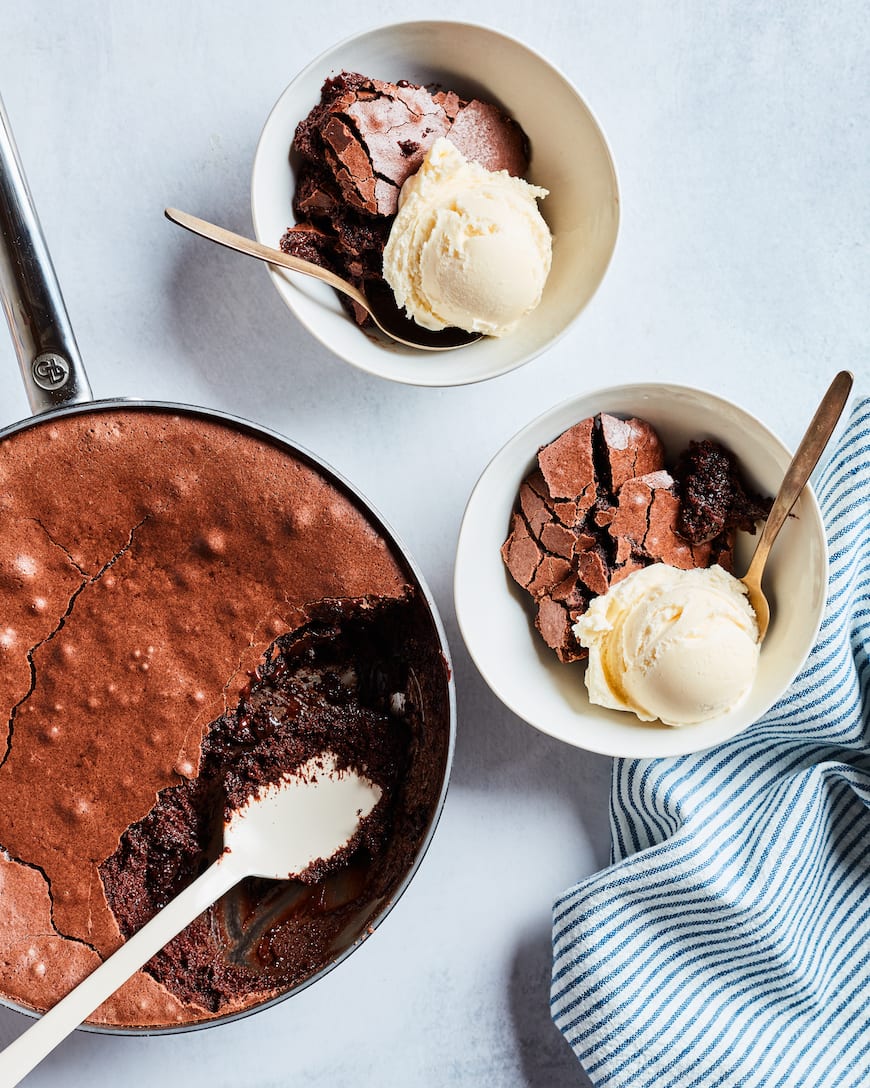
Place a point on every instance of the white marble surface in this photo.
(740, 135)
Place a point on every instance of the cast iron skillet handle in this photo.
(41, 332)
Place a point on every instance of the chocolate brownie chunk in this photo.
(644, 523)
(144, 571)
(567, 466)
(713, 494)
(554, 622)
(633, 449)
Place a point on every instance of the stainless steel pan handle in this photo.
(32, 301)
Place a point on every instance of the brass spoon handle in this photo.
(802, 464)
(380, 304)
(264, 253)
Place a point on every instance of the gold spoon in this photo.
(379, 303)
(798, 472)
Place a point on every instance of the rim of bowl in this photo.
(427, 376)
(669, 742)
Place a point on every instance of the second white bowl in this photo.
(495, 615)
(569, 157)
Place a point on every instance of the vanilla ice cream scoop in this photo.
(468, 248)
(678, 645)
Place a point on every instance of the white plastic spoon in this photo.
(276, 835)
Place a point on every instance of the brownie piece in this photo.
(601, 504)
(359, 145)
(713, 494)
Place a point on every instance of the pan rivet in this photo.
(50, 371)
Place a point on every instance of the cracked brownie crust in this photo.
(602, 503)
(148, 560)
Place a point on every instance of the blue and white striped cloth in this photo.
(728, 944)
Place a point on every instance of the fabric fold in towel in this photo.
(728, 944)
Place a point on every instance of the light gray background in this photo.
(740, 133)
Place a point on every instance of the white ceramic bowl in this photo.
(569, 157)
(496, 616)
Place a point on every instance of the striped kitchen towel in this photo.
(729, 941)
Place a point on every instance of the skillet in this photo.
(58, 391)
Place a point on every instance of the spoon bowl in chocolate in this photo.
(798, 472)
(287, 828)
(380, 304)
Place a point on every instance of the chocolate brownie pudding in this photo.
(602, 503)
(186, 611)
(356, 149)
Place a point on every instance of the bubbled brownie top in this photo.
(147, 559)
